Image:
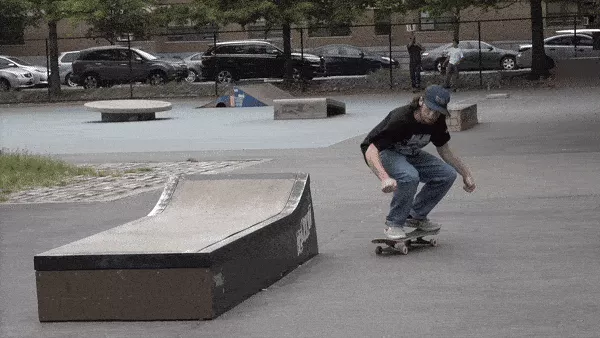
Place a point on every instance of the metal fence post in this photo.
(48, 70)
(390, 56)
(217, 71)
(302, 84)
(479, 43)
(130, 67)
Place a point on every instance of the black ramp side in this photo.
(235, 234)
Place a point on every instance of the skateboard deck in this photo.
(414, 237)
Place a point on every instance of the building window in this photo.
(325, 31)
(561, 14)
(12, 32)
(430, 23)
(258, 30)
(383, 20)
(188, 31)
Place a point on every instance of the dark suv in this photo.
(234, 60)
(105, 66)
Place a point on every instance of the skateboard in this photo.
(414, 237)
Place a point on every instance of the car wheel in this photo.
(438, 65)
(157, 78)
(4, 85)
(296, 74)
(549, 62)
(70, 82)
(225, 76)
(508, 63)
(91, 81)
(192, 76)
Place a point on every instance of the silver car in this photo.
(65, 67)
(492, 57)
(40, 74)
(194, 64)
(560, 47)
(14, 78)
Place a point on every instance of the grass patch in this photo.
(19, 171)
(137, 170)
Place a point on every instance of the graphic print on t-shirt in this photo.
(411, 145)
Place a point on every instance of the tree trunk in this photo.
(287, 52)
(54, 80)
(456, 25)
(538, 54)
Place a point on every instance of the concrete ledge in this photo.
(462, 117)
(307, 108)
(211, 242)
(128, 110)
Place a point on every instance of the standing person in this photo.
(414, 52)
(393, 152)
(455, 55)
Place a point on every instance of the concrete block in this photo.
(465, 116)
(307, 108)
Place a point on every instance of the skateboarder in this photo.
(393, 152)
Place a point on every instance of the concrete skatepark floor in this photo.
(519, 257)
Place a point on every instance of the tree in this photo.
(111, 19)
(14, 18)
(276, 13)
(50, 12)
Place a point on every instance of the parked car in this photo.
(65, 67)
(13, 77)
(194, 64)
(109, 65)
(560, 47)
(351, 60)
(40, 74)
(491, 57)
(234, 60)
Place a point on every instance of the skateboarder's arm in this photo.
(449, 157)
(374, 161)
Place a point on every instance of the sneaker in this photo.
(423, 224)
(394, 233)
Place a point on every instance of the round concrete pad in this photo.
(128, 106)
(201, 213)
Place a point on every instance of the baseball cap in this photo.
(436, 98)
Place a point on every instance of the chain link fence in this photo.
(356, 57)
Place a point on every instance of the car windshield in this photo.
(19, 61)
(146, 55)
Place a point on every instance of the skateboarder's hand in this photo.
(469, 184)
(389, 185)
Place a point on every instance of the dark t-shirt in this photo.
(414, 53)
(401, 131)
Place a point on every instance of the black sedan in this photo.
(491, 57)
(351, 60)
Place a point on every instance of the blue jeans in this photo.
(408, 171)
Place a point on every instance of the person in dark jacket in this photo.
(393, 151)
(414, 52)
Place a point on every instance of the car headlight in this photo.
(519, 55)
(425, 54)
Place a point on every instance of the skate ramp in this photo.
(210, 242)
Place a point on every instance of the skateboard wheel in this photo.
(433, 242)
(404, 250)
(378, 250)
